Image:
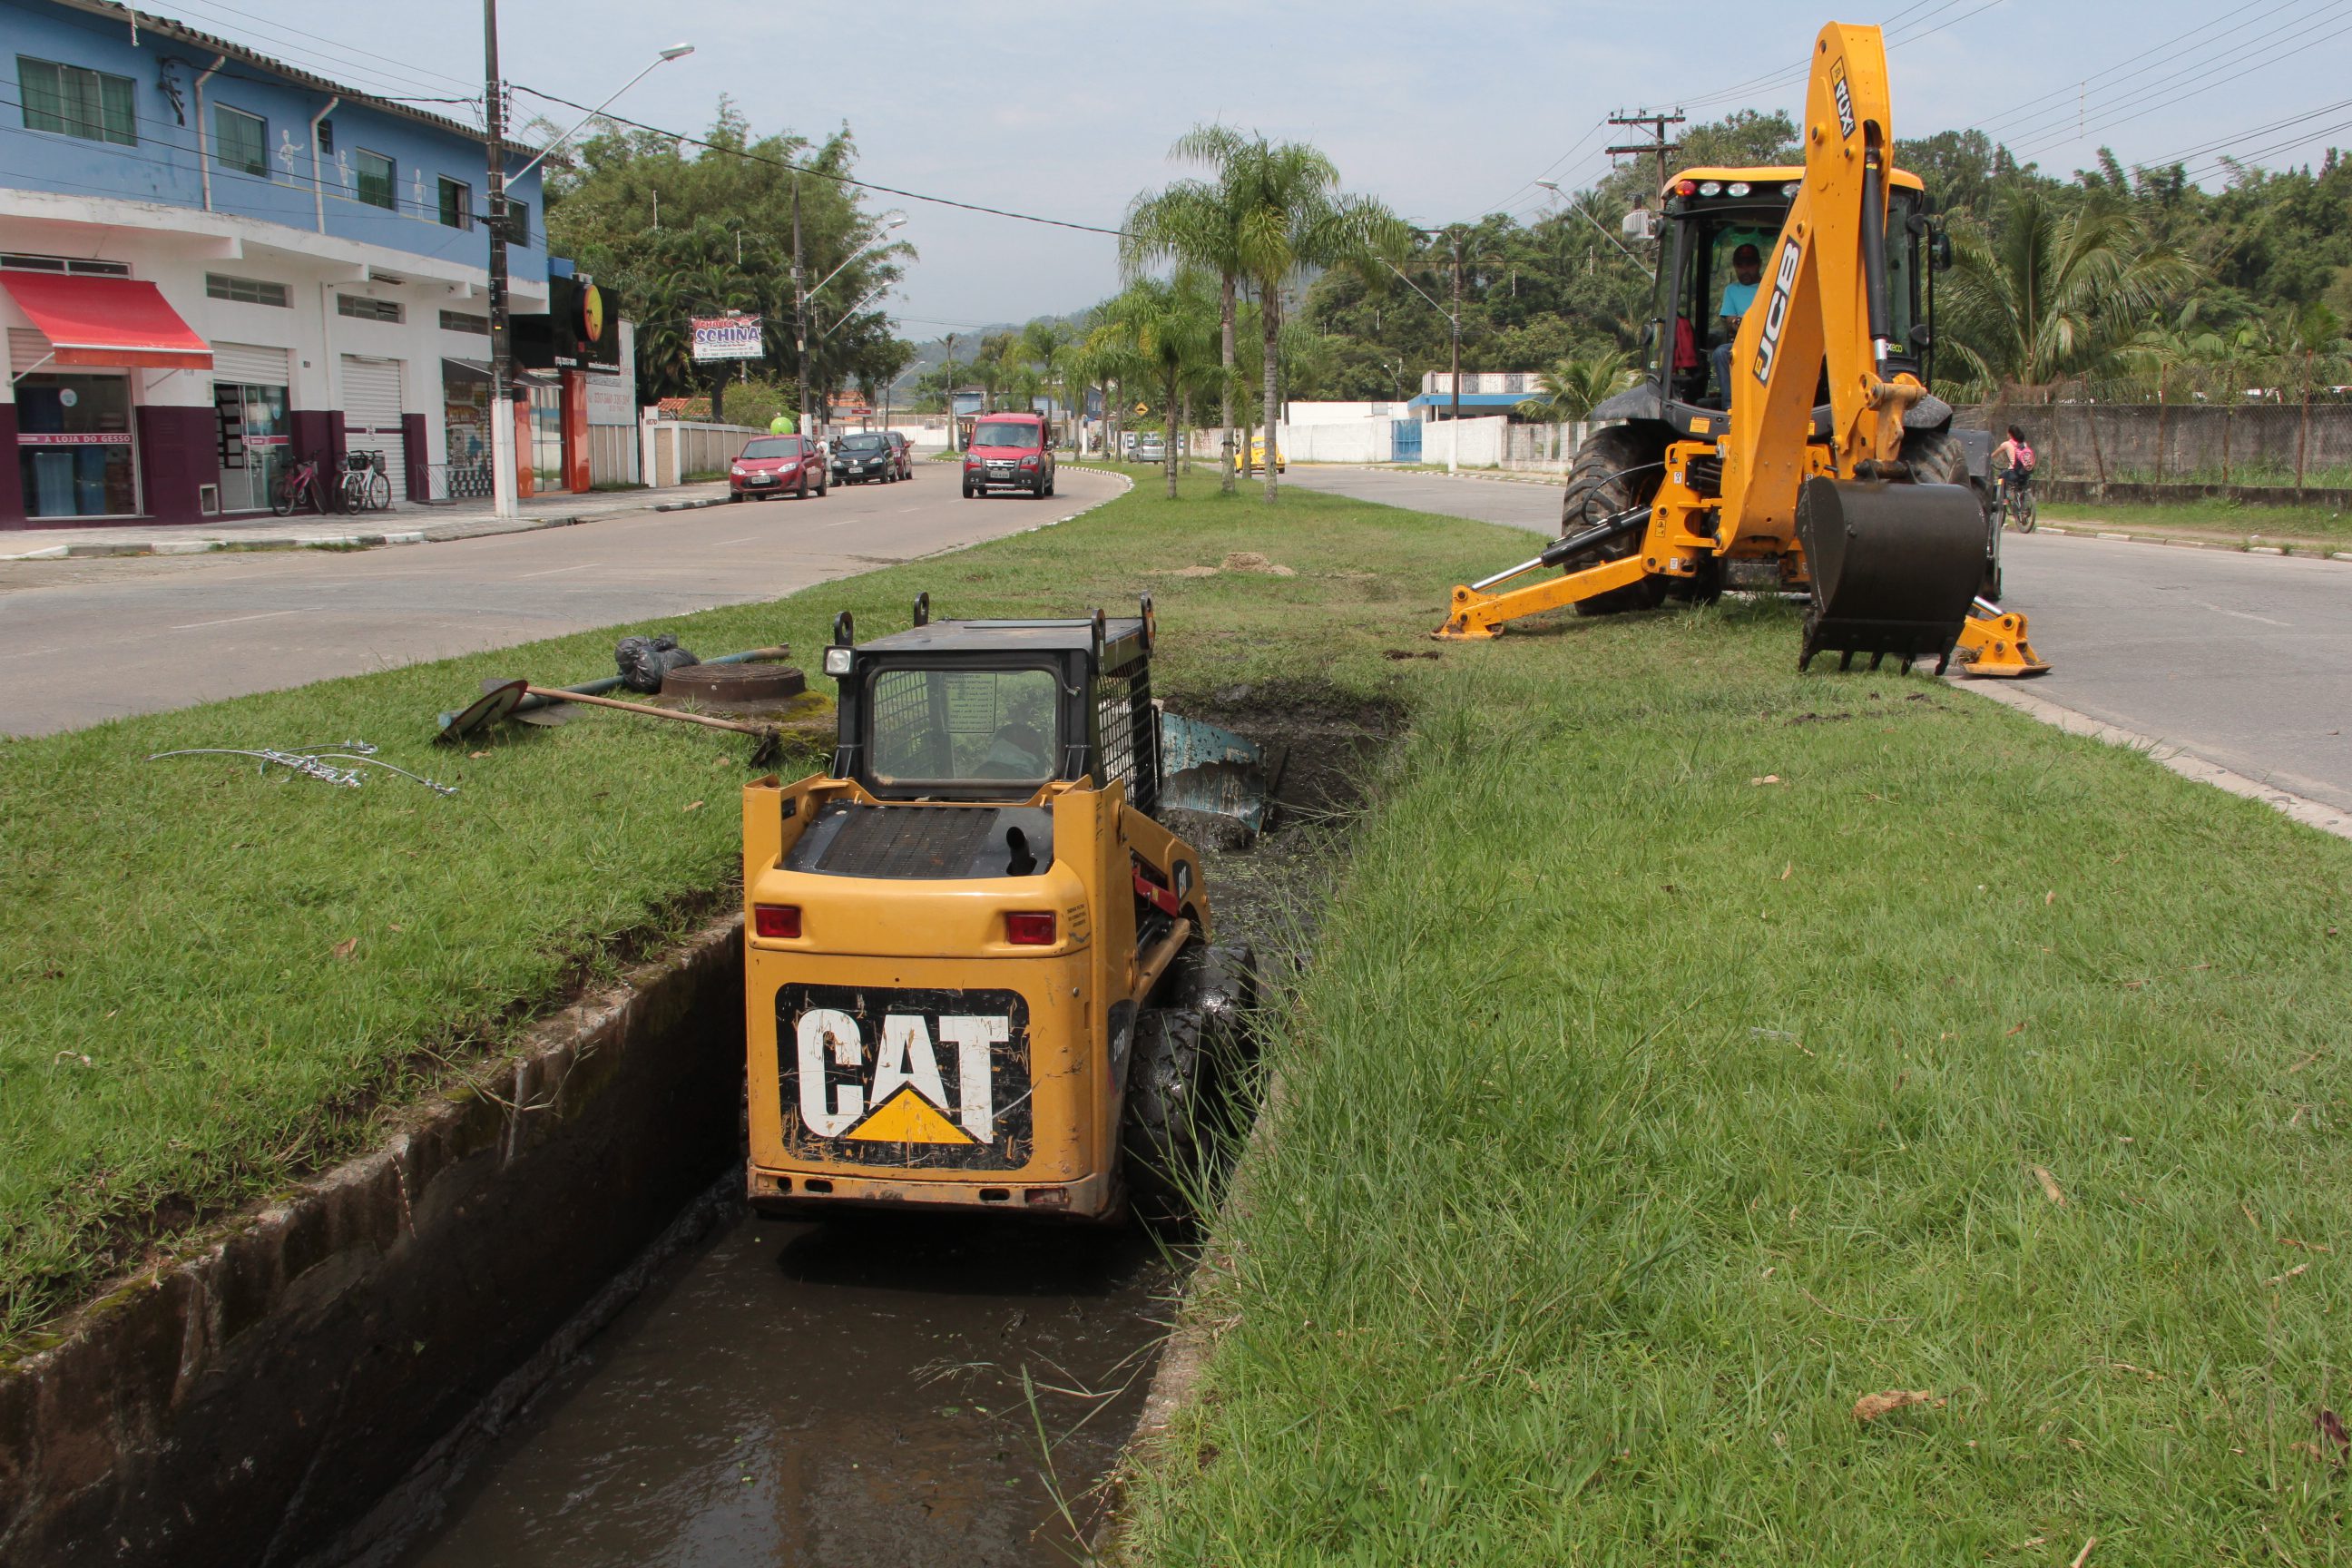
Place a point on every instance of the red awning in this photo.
(111, 321)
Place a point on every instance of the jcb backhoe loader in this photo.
(1826, 466)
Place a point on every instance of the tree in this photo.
(1572, 388)
(2051, 294)
(1198, 223)
(1292, 216)
(1159, 333)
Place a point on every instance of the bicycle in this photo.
(364, 487)
(296, 485)
(2017, 507)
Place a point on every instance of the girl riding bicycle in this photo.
(2012, 461)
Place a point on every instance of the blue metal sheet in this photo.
(1206, 767)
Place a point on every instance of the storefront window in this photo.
(546, 437)
(254, 433)
(75, 453)
(465, 421)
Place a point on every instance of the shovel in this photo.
(493, 706)
(769, 742)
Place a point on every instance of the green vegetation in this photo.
(215, 982)
(2320, 528)
(1695, 1049)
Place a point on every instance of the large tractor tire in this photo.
(1936, 457)
(1188, 1048)
(1616, 468)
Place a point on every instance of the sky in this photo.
(1446, 111)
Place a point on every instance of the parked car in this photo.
(1257, 458)
(1150, 447)
(770, 465)
(1127, 446)
(1008, 452)
(867, 456)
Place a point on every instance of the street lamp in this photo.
(504, 500)
(890, 220)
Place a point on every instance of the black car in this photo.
(871, 454)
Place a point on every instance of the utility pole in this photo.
(504, 500)
(800, 314)
(1454, 444)
(1658, 144)
(947, 374)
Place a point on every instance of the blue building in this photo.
(211, 262)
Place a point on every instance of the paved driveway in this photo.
(2242, 660)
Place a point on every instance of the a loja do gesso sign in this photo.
(726, 337)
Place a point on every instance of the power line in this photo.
(821, 174)
(2029, 106)
(318, 43)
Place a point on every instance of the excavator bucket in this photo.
(1894, 568)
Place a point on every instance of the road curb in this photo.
(2301, 808)
(2170, 542)
(445, 534)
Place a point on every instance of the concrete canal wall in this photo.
(324, 1360)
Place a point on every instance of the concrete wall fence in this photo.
(2244, 445)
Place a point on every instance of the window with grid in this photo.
(1129, 733)
(943, 725)
(73, 102)
(518, 223)
(377, 176)
(460, 321)
(360, 308)
(241, 141)
(80, 266)
(456, 204)
(247, 290)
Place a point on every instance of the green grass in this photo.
(1641, 1113)
(2222, 522)
(181, 1026)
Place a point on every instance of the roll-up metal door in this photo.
(27, 349)
(371, 411)
(247, 364)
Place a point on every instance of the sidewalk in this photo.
(405, 524)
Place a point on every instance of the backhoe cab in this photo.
(976, 969)
(1824, 466)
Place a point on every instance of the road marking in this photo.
(2242, 614)
(908, 508)
(745, 540)
(560, 571)
(234, 620)
(30, 653)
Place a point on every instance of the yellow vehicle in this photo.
(1827, 467)
(977, 971)
(1257, 458)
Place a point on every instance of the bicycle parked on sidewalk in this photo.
(364, 485)
(296, 486)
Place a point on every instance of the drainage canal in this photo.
(887, 1390)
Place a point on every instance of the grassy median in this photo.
(214, 982)
(2304, 530)
(1699, 1050)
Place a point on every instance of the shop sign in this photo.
(611, 400)
(726, 337)
(85, 438)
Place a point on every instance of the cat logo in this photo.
(904, 1077)
(1844, 96)
(1776, 314)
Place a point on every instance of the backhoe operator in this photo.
(1747, 271)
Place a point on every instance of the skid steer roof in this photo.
(1123, 639)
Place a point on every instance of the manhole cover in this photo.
(725, 684)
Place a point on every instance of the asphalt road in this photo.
(90, 640)
(2242, 660)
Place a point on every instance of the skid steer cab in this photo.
(977, 971)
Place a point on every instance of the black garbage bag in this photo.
(645, 660)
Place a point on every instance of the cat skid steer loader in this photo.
(1826, 467)
(977, 971)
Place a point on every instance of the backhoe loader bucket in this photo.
(1894, 568)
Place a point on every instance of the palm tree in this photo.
(1198, 223)
(2057, 293)
(1292, 216)
(1159, 332)
(1572, 388)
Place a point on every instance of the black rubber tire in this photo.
(1189, 1047)
(734, 497)
(1616, 468)
(281, 499)
(1936, 457)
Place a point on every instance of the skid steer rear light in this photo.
(1046, 1197)
(781, 921)
(1030, 928)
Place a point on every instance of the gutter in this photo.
(203, 139)
(318, 165)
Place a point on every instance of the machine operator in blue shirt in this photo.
(1747, 271)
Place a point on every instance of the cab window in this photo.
(963, 726)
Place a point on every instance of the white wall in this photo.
(1303, 414)
(1356, 441)
(1466, 443)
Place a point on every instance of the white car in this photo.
(1151, 448)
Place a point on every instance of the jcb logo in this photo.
(1775, 313)
(1843, 96)
(904, 1077)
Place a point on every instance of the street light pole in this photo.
(1454, 447)
(504, 500)
(800, 315)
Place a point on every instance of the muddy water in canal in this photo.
(845, 1392)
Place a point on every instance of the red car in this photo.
(1009, 453)
(770, 465)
